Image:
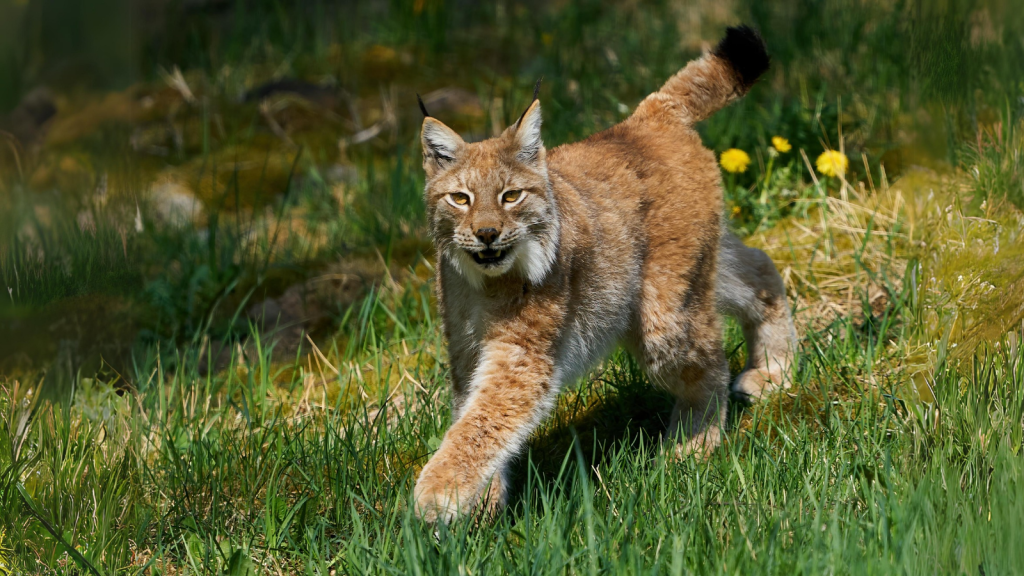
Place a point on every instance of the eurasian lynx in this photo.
(547, 260)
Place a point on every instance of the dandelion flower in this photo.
(736, 210)
(734, 160)
(781, 144)
(832, 163)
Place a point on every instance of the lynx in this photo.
(547, 260)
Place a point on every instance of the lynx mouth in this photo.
(488, 257)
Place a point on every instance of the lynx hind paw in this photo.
(755, 384)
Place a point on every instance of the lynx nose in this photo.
(487, 235)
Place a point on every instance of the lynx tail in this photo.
(708, 84)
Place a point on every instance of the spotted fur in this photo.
(615, 240)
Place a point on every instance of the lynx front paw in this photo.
(444, 491)
(442, 495)
(437, 497)
(435, 505)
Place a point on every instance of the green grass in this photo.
(149, 424)
(218, 473)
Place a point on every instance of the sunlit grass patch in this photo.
(969, 272)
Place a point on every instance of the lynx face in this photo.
(490, 204)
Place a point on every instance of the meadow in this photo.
(220, 352)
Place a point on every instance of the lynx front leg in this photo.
(509, 395)
(462, 356)
(461, 320)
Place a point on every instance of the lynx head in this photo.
(490, 204)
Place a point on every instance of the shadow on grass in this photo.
(616, 412)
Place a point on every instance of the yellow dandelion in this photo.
(734, 160)
(736, 210)
(781, 144)
(832, 163)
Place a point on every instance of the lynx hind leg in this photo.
(679, 344)
(751, 291)
(698, 417)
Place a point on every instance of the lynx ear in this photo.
(526, 137)
(441, 145)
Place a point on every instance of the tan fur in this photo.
(618, 240)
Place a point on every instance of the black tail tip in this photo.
(744, 48)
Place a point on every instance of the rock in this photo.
(305, 307)
(27, 122)
(266, 314)
(453, 100)
(325, 96)
(175, 205)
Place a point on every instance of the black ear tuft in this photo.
(536, 93)
(745, 50)
(423, 108)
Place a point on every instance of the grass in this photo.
(202, 474)
(155, 419)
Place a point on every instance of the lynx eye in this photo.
(459, 198)
(511, 196)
